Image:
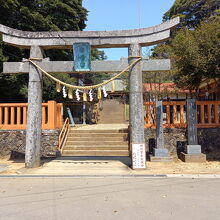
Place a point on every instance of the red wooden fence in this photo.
(174, 114)
(14, 115)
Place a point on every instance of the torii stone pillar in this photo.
(34, 113)
(136, 97)
(136, 116)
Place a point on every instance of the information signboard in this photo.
(138, 156)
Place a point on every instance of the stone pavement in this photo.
(111, 166)
(3, 167)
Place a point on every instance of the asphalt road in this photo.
(109, 198)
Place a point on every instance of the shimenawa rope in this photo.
(85, 87)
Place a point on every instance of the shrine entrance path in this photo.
(112, 166)
(102, 127)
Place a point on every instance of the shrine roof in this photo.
(163, 87)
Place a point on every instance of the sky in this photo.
(107, 15)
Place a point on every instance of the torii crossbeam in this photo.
(132, 39)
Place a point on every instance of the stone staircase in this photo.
(97, 142)
(112, 112)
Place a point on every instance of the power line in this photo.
(139, 12)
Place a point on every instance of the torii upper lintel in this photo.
(98, 39)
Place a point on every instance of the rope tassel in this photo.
(58, 87)
(104, 92)
(84, 96)
(64, 92)
(70, 93)
(99, 93)
(113, 86)
(90, 95)
(77, 95)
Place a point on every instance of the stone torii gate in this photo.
(38, 41)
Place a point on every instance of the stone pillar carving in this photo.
(193, 149)
(160, 153)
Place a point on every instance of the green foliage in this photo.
(95, 78)
(196, 54)
(194, 47)
(43, 15)
(98, 54)
(49, 91)
(40, 15)
(192, 12)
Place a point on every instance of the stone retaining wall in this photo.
(176, 138)
(12, 142)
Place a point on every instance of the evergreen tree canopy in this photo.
(40, 15)
(196, 54)
(192, 12)
(43, 15)
(194, 47)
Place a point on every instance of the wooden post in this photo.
(6, 116)
(168, 115)
(12, 122)
(181, 114)
(136, 117)
(1, 122)
(216, 113)
(209, 113)
(18, 116)
(34, 114)
(52, 114)
(202, 114)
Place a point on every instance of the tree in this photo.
(194, 47)
(43, 15)
(38, 15)
(196, 54)
(192, 12)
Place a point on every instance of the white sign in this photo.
(138, 156)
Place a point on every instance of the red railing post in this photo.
(52, 114)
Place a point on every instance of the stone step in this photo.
(113, 113)
(112, 118)
(94, 142)
(111, 121)
(104, 135)
(110, 106)
(95, 147)
(96, 153)
(99, 138)
(112, 131)
(97, 142)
